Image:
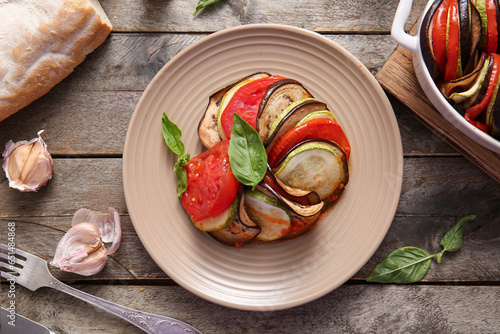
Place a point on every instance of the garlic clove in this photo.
(81, 250)
(109, 225)
(27, 164)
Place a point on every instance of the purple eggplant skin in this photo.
(465, 30)
(476, 32)
(425, 41)
(493, 121)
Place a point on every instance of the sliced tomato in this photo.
(491, 27)
(473, 113)
(453, 66)
(245, 102)
(321, 128)
(211, 186)
(438, 37)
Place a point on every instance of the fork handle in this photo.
(148, 322)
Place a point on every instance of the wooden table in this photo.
(85, 120)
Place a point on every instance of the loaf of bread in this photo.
(41, 42)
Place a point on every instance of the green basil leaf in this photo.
(172, 135)
(204, 3)
(453, 240)
(247, 155)
(404, 265)
(181, 181)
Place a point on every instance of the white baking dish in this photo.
(412, 44)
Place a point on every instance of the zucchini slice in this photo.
(314, 165)
(241, 231)
(272, 217)
(221, 221)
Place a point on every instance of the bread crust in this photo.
(41, 42)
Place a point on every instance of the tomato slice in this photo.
(491, 28)
(453, 44)
(211, 186)
(317, 128)
(245, 102)
(440, 21)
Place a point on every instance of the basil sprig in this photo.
(247, 155)
(172, 135)
(411, 264)
(204, 3)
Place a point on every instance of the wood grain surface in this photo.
(86, 118)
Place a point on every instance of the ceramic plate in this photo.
(277, 275)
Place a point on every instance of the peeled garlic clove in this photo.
(27, 164)
(109, 226)
(81, 250)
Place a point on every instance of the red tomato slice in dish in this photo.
(211, 185)
(491, 28)
(317, 128)
(439, 35)
(452, 65)
(245, 102)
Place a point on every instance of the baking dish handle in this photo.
(398, 33)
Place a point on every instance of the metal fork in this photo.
(33, 273)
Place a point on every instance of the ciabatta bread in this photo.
(41, 42)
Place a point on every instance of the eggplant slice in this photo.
(241, 231)
(304, 214)
(207, 128)
(290, 120)
(278, 96)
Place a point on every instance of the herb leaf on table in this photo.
(411, 264)
(204, 3)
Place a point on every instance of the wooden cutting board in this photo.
(397, 77)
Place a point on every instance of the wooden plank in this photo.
(477, 261)
(318, 15)
(97, 184)
(80, 120)
(130, 61)
(398, 78)
(349, 309)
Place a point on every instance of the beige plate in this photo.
(283, 274)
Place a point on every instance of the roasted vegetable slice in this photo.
(267, 212)
(243, 99)
(221, 221)
(208, 128)
(314, 165)
(291, 116)
(279, 96)
(241, 231)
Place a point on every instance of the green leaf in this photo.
(247, 155)
(453, 239)
(172, 135)
(204, 3)
(181, 181)
(404, 265)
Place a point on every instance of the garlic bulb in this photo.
(27, 164)
(82, 249)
